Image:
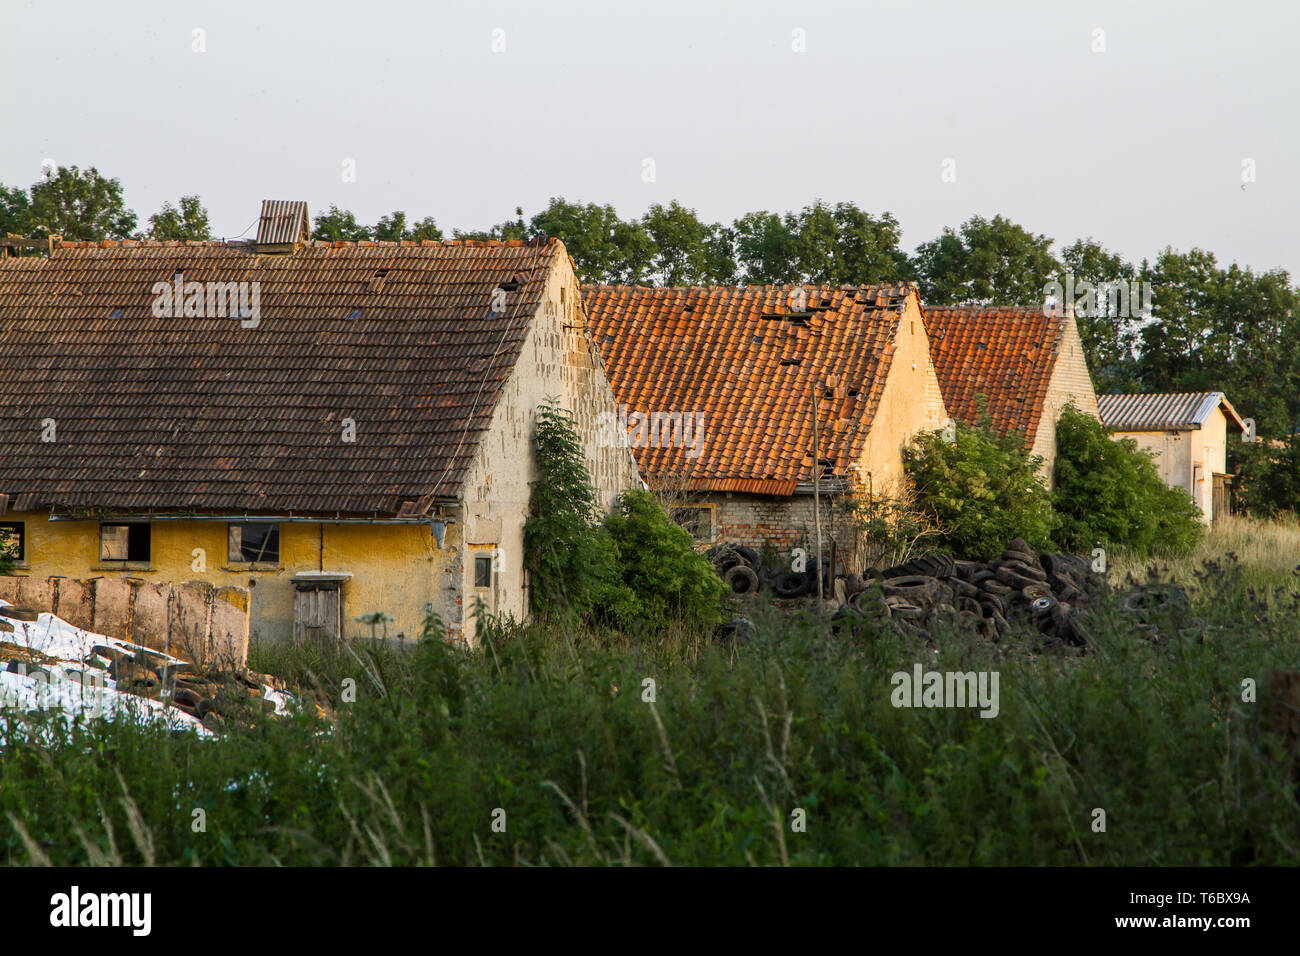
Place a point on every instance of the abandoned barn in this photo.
(1187, 433)
(1019, 367)
(344, 428)
(762, 389)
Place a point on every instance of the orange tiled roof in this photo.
(200, 412)
(727, 354)
(1003, 356)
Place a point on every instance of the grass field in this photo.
(1268, 553)
(546, 748)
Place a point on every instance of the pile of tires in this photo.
(743, 571)
(1017, 588)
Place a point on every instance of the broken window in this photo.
(698, 521)
(13, 540)
(124, 542)
(254, 543)
(483, 571)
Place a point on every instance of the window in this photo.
(483, 571)
(14, 540)
(254, 543)
(124, 542)
(698, 521)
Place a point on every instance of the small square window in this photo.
(254, 543)
(13, 540)
(698, 521)
(124, 542)
(483, 571)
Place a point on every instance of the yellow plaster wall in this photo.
(911, 402)
(396, 569)
(1070, 383)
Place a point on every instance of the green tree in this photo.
(15, 211)
(765, 247)
(79, 205)
(688, 251)
(570, 557)
(604, 247)
(979, 491)
(339, 225)
(393, 227)
(1109, 492)
(1109, 339)
(985, 262)
(1231, 330)
(510, 229)
(843, 245)
(190, 221)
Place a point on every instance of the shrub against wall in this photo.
(635, 567)
(1109, 492)
(663, 576)
(979, 490)
(569, 556)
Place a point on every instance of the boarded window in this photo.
(13, 540)
(483, 571)
(124, 542)
(698, 521)
(256, 543)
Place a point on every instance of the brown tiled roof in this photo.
(726, 353)
(1001, 356)
(201, 413)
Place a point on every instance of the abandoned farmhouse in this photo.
(344, 428)
(770, 373)
(357, 444)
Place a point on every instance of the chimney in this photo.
(284, 227)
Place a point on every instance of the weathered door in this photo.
(317, 613)
(1222, 500)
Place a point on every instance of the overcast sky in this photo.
(1139, 146)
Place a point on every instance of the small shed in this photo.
(1188, 434)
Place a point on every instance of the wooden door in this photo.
(317, 614)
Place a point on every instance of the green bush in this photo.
(569, 555)
(980, 491)
(1108, 492)
(663, 576)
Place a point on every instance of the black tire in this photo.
(1010, 576)
(918, 589)
(749, 555)
(792, 585)
(742, 579)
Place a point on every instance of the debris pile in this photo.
(48, 664)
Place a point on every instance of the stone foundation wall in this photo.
(202, 623)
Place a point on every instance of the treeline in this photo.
(1210, 327)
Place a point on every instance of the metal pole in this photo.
(817, 498)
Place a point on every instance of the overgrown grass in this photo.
(1268, 553)
(555, 729)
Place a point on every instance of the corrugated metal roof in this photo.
(1163, 411)
(283, 221)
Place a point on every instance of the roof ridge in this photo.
(537, 242)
